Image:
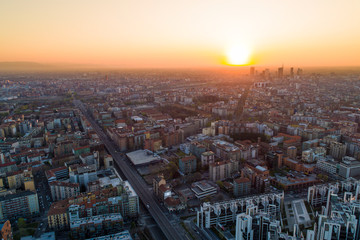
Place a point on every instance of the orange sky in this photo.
(187, 33)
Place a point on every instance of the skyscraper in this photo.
(252, 71)
(281, 72)
(299, 71)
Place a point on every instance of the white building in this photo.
(212, 214)
(257, 226)
(204, 188)
(349, 167)
(327, 165)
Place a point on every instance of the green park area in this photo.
(24, 229)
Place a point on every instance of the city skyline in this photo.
(179, 120)
(188, 34)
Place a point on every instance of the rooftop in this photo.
(65, 184)
(241, 180)
(141, 157)
(125, 235)
(17, 195)
(188, 158)
(225, 145)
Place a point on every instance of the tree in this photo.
(326, 178)
(207, 199)
(21, 223)
(172, 169)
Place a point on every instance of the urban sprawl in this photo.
(270, 154)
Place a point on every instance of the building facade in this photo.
(221, 170)
(187, 164)
(212, 214)
(62, 190)
(23, 204)
(242, 186)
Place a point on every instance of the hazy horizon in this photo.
(22, 66)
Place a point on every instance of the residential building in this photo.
(310, 144)
(291, 152)
(83, 174)
(22, 204)
(93, 226)
(8, 167)
(121, 199)
(225, 150)
(58, 218)
(57, 174)
(318, 194)
(197, 149)
(90, 159)
(221, 170)
(257, 226)
(124, 235)
(211, 214)
(248, 150)
(187, 164)
(15, 180)
(242, 187)
(274, 159)
(62, 190)
(337, 150)
(340, 213)
(207, 158)
(29, 181)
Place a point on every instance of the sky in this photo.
(186, 33)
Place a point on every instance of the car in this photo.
(147, 205)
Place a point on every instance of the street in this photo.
(134, 179)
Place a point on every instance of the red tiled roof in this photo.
(7, 164)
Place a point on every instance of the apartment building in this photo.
(62, 190)
(221, 170)
(22, 204)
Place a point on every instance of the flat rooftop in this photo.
(294, 178)
(301, 213)
(112, 180)
(125, 235)
(130, 188)
(142, 157)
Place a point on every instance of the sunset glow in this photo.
(238, 55)
(182, 33)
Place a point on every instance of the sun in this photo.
(238, 55)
